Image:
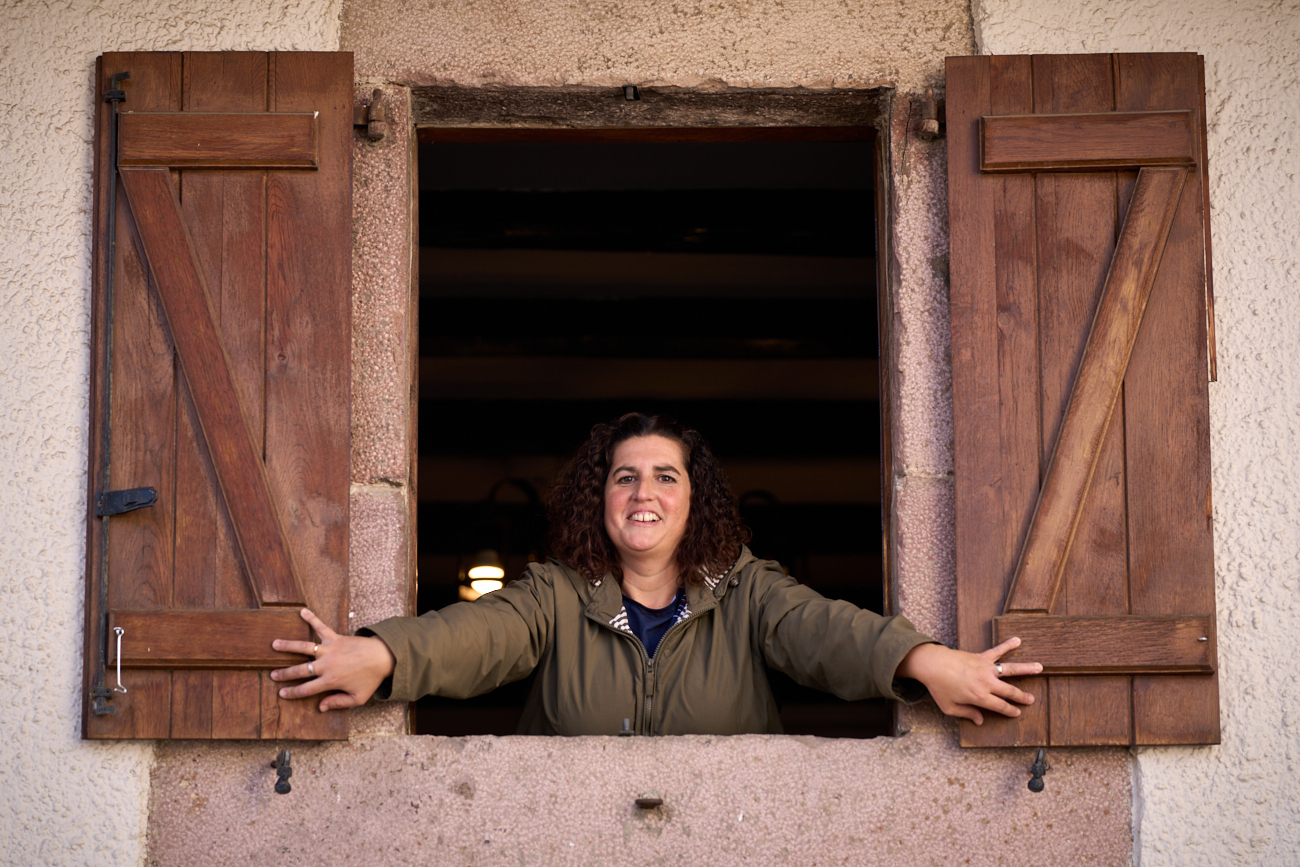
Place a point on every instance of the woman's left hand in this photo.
(961, 683)
(347, 666)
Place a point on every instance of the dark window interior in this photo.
(729, 283)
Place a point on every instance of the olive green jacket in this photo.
(707, 676)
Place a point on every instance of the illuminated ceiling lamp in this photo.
(486, 574)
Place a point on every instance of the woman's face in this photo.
(647, 497)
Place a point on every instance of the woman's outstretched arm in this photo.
(349, 667)
(961, 683)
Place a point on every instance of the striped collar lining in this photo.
(620, 620)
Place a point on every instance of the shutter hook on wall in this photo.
(282, 772)
(1039, 767)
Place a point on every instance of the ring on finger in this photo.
(998, 666)
(315, 650)
(311, 670)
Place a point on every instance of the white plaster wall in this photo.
(66, 801)
(1236, 803)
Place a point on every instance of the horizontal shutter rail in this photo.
(1077, 142)
(236, 459)
(1111, 644)
(206, 639)
(1096, 389)
(216, 140)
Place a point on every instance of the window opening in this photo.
(727, 280)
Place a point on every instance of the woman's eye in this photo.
(667, 478)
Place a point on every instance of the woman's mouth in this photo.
(644, 517)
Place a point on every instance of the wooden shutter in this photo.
(227, 388)
(1079, 229)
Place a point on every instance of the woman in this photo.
(653, 611)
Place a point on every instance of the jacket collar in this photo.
(604, 598)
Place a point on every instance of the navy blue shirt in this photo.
(650, 624)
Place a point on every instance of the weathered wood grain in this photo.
(1096, 389)
(217, 219)
(143, 409)
(207, 639)
(308, 354)
(1111, 644)
(212, 139)
(182, 290)
(982, 220)
(224, 211)
(1081, 142)
(1098, 692)
(582, 109)
(1167, 432)
(1077, 229)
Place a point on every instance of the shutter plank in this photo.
(1110, 644)
(207, 140)
(140, 543)
(207, 371)
(191, 705)
(237, 703)
(224, 213)
(308, 354)
(1018, 399)
(976, 453)
(208, 639)
(1167, 433)
(1071, 142)
(1077, 228)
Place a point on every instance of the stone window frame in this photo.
(386, 294)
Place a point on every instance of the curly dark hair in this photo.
(576, 505)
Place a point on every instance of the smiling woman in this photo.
(653, 618)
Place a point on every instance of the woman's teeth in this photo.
(645, 518)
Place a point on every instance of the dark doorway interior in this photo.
(729, 283)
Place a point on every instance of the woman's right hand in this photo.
(348, 667)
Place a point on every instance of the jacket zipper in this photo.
(648, 661)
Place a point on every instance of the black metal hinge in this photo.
(126, 500)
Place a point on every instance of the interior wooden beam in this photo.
(206, 639)
(1117, 644)
(1077, 142)
(605, 273)
(543, 378)
(215, 140)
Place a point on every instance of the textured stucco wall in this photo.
(1236, 803)
(742, 43)
(65, 801)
